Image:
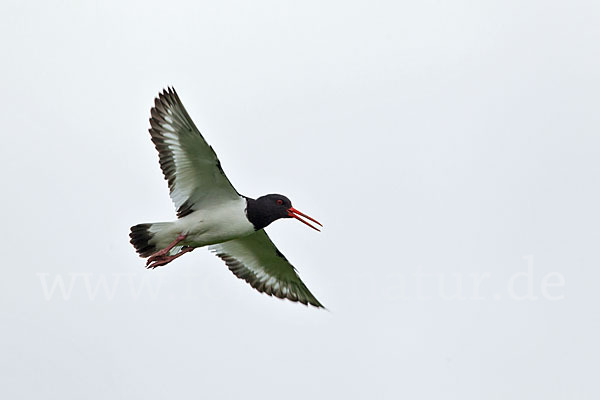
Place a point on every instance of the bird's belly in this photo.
(216, 225)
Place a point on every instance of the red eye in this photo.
(279, 201)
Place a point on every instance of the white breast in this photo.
(218, 224)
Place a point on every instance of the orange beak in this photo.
(292, 212)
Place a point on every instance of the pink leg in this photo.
(164, 260)
(165, 251)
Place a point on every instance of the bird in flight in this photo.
(212, 213)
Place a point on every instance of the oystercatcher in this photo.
(212, 213)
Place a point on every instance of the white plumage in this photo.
(211, 212)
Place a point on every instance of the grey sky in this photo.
(449, 148)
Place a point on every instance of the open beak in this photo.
(292, 212)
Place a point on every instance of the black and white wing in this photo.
(256, 260)
(189, 164)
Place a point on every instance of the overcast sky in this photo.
(450, 149)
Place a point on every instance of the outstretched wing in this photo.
(256, 260)
(189, 164)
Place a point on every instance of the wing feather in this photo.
(189, 164)
(256, 260)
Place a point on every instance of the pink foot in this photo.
(162, 253)
(164, 260)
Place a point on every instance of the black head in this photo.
(266, 209)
